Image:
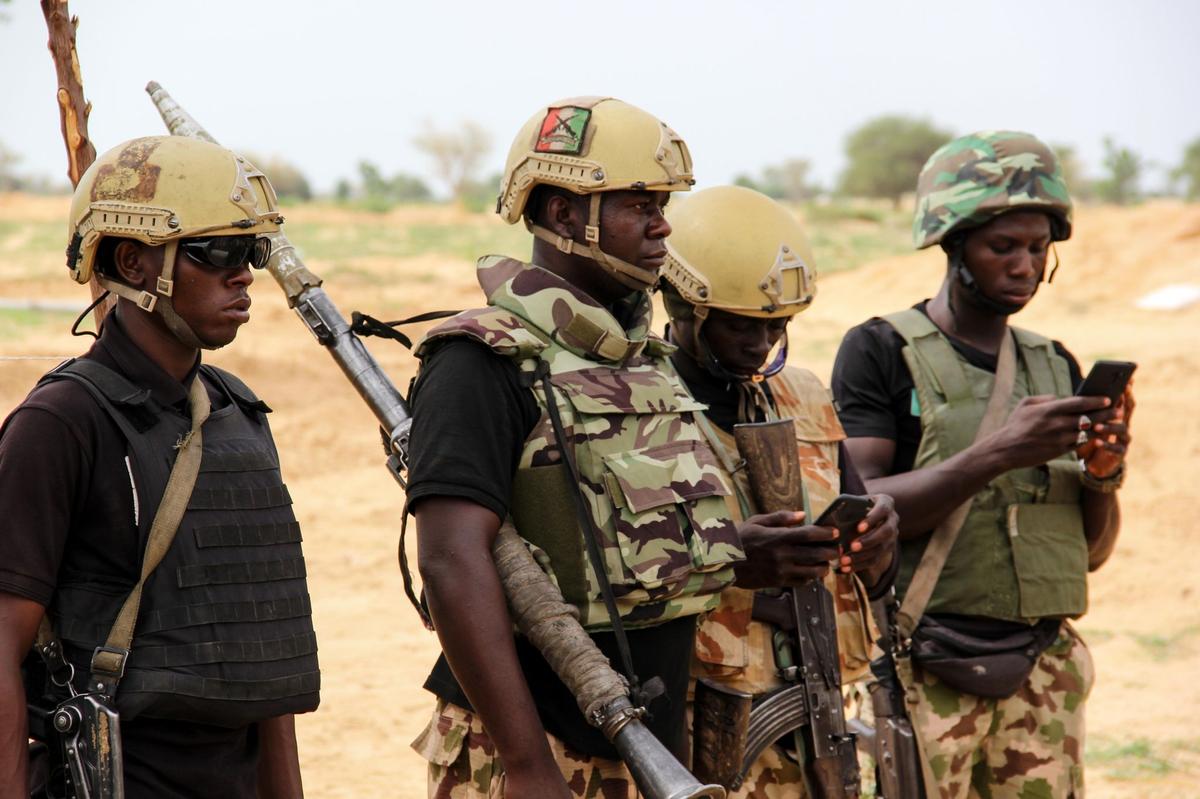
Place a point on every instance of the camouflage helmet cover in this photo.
(976, 177)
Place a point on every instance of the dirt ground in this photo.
(1143, 625)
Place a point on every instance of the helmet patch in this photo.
(562, 130)
(130, 179)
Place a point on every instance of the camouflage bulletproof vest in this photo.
(730, 646)
(1021, 554)
(655, 490)
(224, 632)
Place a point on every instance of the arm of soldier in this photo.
(470, 612)
(1103, 455)
(19, 618)
(1039, 429)
(278, 759)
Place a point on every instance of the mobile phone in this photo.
(1107, 379)
(844, 513)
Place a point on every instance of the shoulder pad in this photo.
(235, 388)
(502, 331)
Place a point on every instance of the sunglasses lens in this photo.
(229, 252)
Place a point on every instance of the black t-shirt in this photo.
(471, 417)
(874, 390)
(68, 509)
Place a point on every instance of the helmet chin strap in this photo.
(968, 282)
(628, 275)
(705, 357)
(159, 301)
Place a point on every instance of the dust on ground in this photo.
(1144, 623)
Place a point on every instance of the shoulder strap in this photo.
(942, 540)
(108, 661)
(929, 353)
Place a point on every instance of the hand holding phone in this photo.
(844, 514)
(1107, 379)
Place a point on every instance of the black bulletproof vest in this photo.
(224, 633)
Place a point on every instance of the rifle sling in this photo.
(941, 541)
(591, 537)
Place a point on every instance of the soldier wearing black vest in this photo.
(223, 651)
(998, 676)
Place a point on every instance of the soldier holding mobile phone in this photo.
(1004, 523)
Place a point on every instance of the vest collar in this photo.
(571, 318)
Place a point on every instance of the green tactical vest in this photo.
(1021, 554)
(655, 490)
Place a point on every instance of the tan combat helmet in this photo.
(159, 190)
(591, 145)
(738, 251)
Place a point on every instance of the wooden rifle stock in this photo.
(830, 762)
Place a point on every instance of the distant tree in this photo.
(456, 154)
(480, 195)
(9, 180)
(343, 189)
(885, 155)
(289, 182)
(383, 192)
(1077, 183)
(785, 181)
(1123, 170)
(1189, 171)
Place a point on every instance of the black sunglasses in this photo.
(229, 252)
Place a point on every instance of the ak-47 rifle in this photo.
(807, 653)
(891, 742)
(529, 591)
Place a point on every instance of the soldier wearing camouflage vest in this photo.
(996, 678)
(217, 651)
(564, 342)
(739, 268)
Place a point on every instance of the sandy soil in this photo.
(1144, 625)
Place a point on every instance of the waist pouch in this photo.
(992, 667)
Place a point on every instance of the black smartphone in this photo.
(844, 513)
(1107, 379)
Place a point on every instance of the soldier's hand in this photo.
(780, 552)
(1043, 427)
(1108, 442)
(875, 544)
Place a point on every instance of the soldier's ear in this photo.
(137, 264)
(562, 216)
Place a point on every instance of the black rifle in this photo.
(892, 743)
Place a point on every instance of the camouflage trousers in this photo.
(1028, 746)
(773, 775)
(463, 763)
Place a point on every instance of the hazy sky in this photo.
(328, 84)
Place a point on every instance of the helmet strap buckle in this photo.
(563, 244)
(591, 233)
(164, 286)
(146, 301)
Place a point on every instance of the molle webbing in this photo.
(224, 633)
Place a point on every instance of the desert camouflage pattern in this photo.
(737, 651)
(732, 648)
(656, 492)
(973, 178)
(1029, 746)
(463, 763)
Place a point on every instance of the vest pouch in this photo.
(670, 512)
(1050, 555)
(543, 510)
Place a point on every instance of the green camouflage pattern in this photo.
(462, 762)
(655, 490)
(1029, 746)
(973, 178)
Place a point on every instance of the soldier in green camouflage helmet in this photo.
(554, 406)
(1021, 514)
